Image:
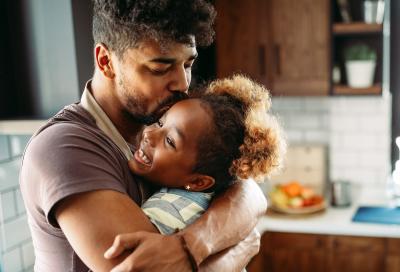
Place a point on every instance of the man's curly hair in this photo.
(122, 24)
(245, 141)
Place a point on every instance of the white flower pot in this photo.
(360, 73)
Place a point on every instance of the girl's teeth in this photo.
(143, 156)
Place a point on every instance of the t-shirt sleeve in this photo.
(67, 159)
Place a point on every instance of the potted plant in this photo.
(360, 61)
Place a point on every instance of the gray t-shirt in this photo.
(69, 155)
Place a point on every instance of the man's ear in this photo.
(103, 60)
(200, 183)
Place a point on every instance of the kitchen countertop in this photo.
(20, 127)
(334, 221)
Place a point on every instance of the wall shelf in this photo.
(339, 89)
(356, 28)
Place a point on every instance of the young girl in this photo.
(202, 145)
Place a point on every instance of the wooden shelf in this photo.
(356, 28)
(376, 89)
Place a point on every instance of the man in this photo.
(75, 179)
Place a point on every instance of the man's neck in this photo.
(103, 93)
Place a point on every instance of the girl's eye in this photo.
(160, 123)
(170, 142)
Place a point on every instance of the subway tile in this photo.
(4, 148)
(9, 173)
(12, 261)
(305, 121)
(316, 136)
(316, 105)
(294, 136)
(16, 232)
(345, 159)
(28, 255)
(288, 104)
(7, 205)
(344, 123)
(373, 123)
(18, 143)
(29, 269)
(20, 202)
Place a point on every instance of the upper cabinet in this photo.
(284, 44)
(298, 47)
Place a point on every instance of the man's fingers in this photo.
(126, 265)
(121, 243)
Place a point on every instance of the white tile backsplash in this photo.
(12, 261)
(16, 251)
(28, 255)
(356, 130)
(7, 204)
(4, 149)
(18, 143)
(9, 172)
(17, 232)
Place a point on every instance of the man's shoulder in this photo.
(73, 116)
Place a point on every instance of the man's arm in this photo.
(231, 259)
(230, 219)
(92, 220)
(235, 258)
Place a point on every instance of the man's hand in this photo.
(235, 258)
(145, 245)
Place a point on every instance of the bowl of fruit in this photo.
(295, 198)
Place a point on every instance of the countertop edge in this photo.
(20, 127)
(338, 226)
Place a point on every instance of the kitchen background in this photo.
(355, 130)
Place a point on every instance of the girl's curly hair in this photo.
(245, 140)
(121, 24)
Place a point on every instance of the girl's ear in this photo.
(200, 183)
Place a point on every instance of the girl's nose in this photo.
(150, 136)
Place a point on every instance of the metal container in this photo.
(340, 193)
(374, 11)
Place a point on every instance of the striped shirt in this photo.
(172, 209)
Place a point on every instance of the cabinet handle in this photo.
(277, 51)
(261, 59)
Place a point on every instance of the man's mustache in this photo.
(170, 101)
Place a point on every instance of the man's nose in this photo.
(181, 80)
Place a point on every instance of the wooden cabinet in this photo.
(292, 46)
(293, 252)
(351, 254)
(284, 44)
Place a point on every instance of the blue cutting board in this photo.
(380, 215)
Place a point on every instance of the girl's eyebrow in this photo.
(177, 130)
(180, 133)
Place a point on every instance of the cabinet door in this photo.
(284, 44)
(240, 38)
(393, 255)
(289, 252)
(353, 254)
(300, 46)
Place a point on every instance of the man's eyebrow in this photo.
(164, 60)
(172, 60)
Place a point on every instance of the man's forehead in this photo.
(170, 49)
